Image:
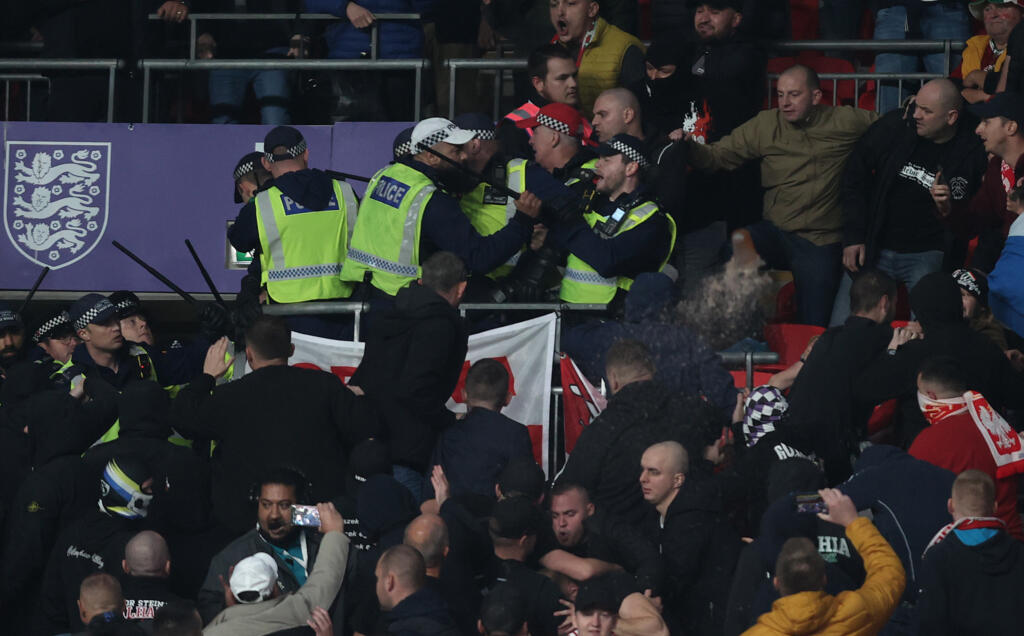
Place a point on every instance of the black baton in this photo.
(32, 292)
(503, 189)
(157, 275)
(334, 174)
(206, 274)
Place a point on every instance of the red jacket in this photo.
(955, 444)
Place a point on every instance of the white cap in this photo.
(432, 131)
(256, 573)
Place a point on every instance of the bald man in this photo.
(100, 601)
(616, 111)
(906, 186)
(147, 564)
(802, 146)
(700, 548)
(403, 593)
(451, 578)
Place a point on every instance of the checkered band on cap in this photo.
(435, 138)
(403, 148)
(244, 169)
(482, 134)
(291, 153)
(101, 306)
(630, 152)
(555, 124)
(125, 304)
(763, 410)
(50, 325)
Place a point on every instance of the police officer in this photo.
(556, 142)
(623, 236)
(300, 225)
(250, 177)
(409, 212)
(56, 338)
(134, 324)
(402, 145)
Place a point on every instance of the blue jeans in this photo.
(906, 268)
(227, 93)
(816, 268)
(411, 479)
(938, 21)
(699, 252)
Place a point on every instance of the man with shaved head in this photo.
(617, 110)
(699, 547)
(428, 534)
(802, 146)
(411, 605)
(100, 604)
(906, 187)
(147, 565)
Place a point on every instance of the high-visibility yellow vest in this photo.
(386, 240)
(602, 62)
(581, 282)
(303, 250)
(489, 211)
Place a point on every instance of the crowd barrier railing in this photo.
(194, 18)
(19, 66)
(730, 359)
(415, 65)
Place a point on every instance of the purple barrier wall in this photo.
(70, 189)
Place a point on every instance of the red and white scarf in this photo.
(588, 39)
(1008, 177)
(1003, 442)
(967, 523)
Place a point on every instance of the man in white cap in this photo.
(410, 211)
(254, 605)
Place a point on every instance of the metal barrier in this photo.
(8, 79)
(193, 18)
(415, 65)
(729, 359)
(899, 78)
(20, 65)
(946, 47)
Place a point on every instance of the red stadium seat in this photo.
(760, 377)
(789, 340)
(785, 304)
(881, 417)
(844, 89)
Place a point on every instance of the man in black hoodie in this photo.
(938, 306)
(300, 224)
(972, 575)
(906, 186)
(412, 606)
(641, 412)
(685, 519)
(412, 362)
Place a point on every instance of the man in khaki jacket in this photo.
(803, 147)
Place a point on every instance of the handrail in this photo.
(935, 46)
(111, 66)
(193, 18)
(416, 65)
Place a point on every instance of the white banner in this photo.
(526, 349)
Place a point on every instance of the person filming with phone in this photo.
(292, 548)
(906, 188)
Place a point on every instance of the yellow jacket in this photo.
(602, 62)
(860, 612)
(974, 52)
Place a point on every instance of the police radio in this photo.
(491, 195)
(609, 227)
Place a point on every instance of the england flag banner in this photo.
(526, 349)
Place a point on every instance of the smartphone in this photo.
(809, 502)
(307, 516)
(940, 178)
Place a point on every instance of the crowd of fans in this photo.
(869, 486)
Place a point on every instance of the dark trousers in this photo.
(816, 268)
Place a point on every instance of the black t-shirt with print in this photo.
(912, 222)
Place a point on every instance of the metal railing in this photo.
(111, 66)
(415, 65)
(193, 18)
(15, 78)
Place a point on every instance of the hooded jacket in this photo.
(972, 589)
(412, 362)
(683, 362)
(606, 458)
(700, 551)
(936, 303)
(875, 164)
(860, 612)
(907, 497)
